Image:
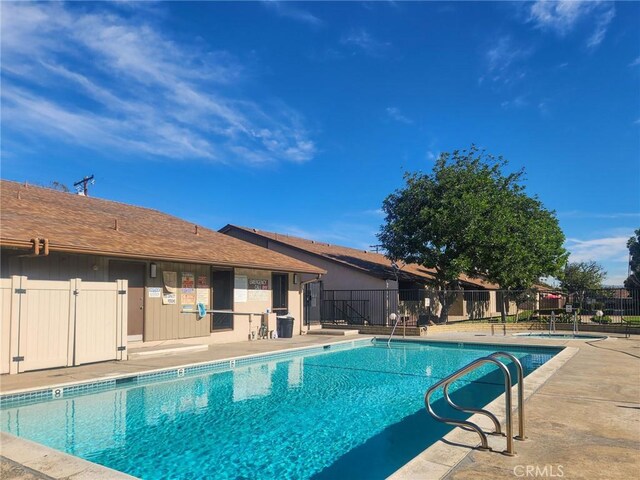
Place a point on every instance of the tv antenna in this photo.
(82, 186)
(377, 248)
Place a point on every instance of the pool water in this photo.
(356, 413)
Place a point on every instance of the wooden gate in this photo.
(48, 324)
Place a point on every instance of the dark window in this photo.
(222, 283)
(280, 303)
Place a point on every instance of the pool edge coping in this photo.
(47, 462)
(440, 458)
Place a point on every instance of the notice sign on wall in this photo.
(258, 290)
(202, 296)
(188, 280)
(170, 280)
(169, 299)
(155, 292)
(240, 285)
(258, 284)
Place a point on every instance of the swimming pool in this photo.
(353, 410)
(565, 336)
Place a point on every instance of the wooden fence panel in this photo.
(5, 324)
(44, 324)
(49, 324)
(96, 322)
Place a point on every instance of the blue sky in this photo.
(301, 117)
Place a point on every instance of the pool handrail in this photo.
(470, 425)
(520, 382)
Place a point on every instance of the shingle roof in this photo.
(74, 223)
(373, 263)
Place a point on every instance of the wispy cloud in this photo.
(141, 92)
(395, 114)
(346, 234)
(504, 61)
(364, 41)
(599, 249)
(519, 101)
(288, 10)
(635, 63)
(562, 17)
(606, 215)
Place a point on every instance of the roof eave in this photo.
(4, 242)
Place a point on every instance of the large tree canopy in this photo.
(468, 216)
(633, 281)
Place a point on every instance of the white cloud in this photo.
(610, 215)
(286, 9)
(104, 80)
(504, 60)
(364, 41)
(635, 63)
(605, 249)
(562, 17)
(395, 114)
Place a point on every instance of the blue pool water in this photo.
(354, 413)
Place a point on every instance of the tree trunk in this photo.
(504, 307)
(445, 305)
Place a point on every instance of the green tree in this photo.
(633, 281)
(521, 242)
(467, 216)
(578, 277)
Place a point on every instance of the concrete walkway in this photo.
(583, 423)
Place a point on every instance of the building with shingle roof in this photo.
(51, 235)
(361, 270)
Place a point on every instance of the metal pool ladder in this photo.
(490, 359)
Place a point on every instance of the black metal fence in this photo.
(424, 307)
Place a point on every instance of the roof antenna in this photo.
(377, 247)
(82, 186)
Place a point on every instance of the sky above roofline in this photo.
(301, 117)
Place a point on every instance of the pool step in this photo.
(171, 349)
(333, 331)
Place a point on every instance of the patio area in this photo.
(583, 422)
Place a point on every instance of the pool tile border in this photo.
(72, 389)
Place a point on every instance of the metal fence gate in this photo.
(420, 307)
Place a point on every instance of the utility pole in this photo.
(82, 186)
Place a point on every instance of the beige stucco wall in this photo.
(242, 328)
(338, 277)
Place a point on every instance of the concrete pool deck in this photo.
(583, 422)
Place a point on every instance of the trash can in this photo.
(285, 326)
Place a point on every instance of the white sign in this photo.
(202, 296)
(169, 299)
(427, 302)
(568, 308)
(240, 286)
(259, 295)
(155, 292)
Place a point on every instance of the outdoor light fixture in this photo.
(296, 279)
(153, 270)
